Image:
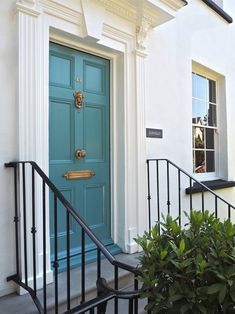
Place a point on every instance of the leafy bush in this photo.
(190, 270)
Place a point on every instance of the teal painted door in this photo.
(72, 129)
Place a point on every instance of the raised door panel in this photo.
(94, 133)
(61, 135)
(61, 70)
(94, 78)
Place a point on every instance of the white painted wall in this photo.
(196, 34)
(8, 142)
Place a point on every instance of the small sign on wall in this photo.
(154, 133)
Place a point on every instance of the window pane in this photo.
(199, 161)
(194, 85)
(193, 137)
(210, 138)
(199, 138)
(199, 112)
(210, 161)
(212, 115)
(203, 117)
(201, 87)
(212, 91)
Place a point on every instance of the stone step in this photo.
(24, 305)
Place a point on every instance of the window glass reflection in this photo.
(199, 112)
(199, 138)
(212, 92)
(212, 115)
(210, 161)
(199, 161)
(201, 87)
(209, 138)
(194, 85)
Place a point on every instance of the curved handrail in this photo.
(102, 283)
(75, 215)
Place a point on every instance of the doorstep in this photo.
(15, 304)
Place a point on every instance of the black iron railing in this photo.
(32, 188)
(171, 191)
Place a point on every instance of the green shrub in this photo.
(190, 270)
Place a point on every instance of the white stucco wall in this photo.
(196, 34)
(8, 142)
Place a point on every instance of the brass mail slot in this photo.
(79, 174)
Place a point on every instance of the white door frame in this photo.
(113, 34)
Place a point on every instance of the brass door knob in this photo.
(80, 153)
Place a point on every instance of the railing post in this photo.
(16, 218)
(203, 203)
(98, 263)
(229, 212)
(101, 309)
(44, 246)
(130, 306)
(216, 207)
(83, 269)
(179, 195)
(168, 187)
(136, 304)
(25, 227)
(149, 196)
(191, 200)
(55, 264)
(68, 257)
(33, 231)
(158, 198)
(116, 287)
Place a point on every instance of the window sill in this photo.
(213, 185)
(218, 10)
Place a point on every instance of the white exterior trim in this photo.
(73, 24)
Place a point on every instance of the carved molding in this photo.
(141, 34)
(129, 9)
(29, 7)
(122, 8)
(62, 11)
(144, 14)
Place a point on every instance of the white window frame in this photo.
(220, 140)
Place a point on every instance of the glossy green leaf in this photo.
(182, 246)
(214, 288)
(222, 294)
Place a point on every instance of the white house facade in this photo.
(171, 70)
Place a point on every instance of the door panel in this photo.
(61, 140)
(94, 124)
(61, 70)
(94, 216)
(86, 129)
(94, 78)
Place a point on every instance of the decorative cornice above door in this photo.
(143, 14)
(156, 12)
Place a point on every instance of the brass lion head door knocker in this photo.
(78, 96)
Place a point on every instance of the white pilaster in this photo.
(31, 65)
(142, 223)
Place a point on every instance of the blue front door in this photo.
(79, 141)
